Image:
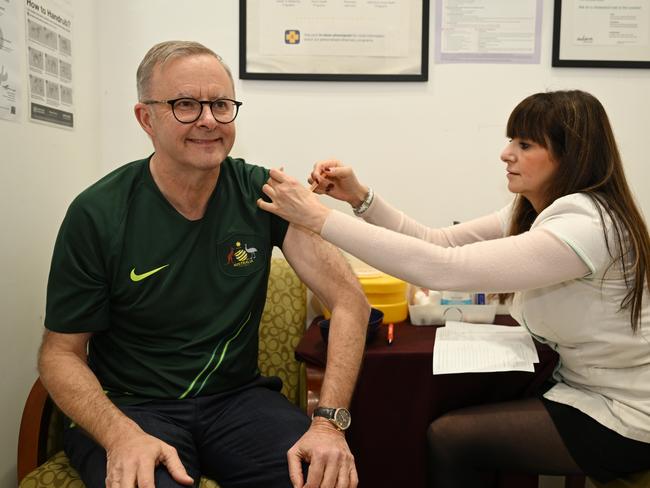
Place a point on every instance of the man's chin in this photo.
(209, 158)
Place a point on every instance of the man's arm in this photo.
(324, 270)
(131, 453)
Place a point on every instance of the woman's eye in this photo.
(524, 145)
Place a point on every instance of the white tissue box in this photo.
(437, 314)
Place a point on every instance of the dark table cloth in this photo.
(397, 396)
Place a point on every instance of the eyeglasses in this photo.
(188, 110)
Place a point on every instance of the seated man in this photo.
(155, 294)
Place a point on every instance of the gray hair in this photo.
(163, 52)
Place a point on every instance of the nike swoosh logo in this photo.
(139, 277)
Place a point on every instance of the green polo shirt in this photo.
(174, 305)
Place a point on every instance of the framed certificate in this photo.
(601, 34)
(334, 40)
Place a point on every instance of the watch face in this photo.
(342, 418)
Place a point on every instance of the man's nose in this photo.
(206, 117)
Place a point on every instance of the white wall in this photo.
(430, 147)
(41, 170)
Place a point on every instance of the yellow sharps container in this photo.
(385, 293)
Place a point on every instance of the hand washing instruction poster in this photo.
(49, 62)
(10, 76)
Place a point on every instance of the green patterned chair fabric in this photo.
(282, 326)
(637, 480)
(55, 473)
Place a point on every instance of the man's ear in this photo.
(143, 115)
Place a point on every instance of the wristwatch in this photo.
(365, 205)
(339, 417)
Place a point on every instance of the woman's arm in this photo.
(484, 228)
(338, 181)
(530, 260)
(534, 259)
(291, 201)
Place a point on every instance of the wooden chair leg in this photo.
(574, 481)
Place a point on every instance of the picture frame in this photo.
(609, 34)
(334, 41)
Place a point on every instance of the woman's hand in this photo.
(338, 182)
(293, 202)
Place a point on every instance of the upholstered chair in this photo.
(637, 480)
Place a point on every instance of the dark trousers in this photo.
(240, 439)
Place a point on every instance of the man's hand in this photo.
(130, 461)
(131, 454)
(331, 464)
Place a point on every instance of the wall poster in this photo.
(50, 62)
(334, 40)
(601, 33)
(10, 74)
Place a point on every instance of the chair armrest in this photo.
(33, 430)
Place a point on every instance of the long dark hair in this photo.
(574, 127)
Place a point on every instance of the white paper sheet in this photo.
(485, 31)
(10, 69)
(327, 27)
(474, 348)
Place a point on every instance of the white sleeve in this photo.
(575, 220)
(481, 229)
(530, 260)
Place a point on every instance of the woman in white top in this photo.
(573, 249)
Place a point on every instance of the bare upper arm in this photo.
(314, 259)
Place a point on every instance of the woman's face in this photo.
(530, 168)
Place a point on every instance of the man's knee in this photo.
(163, 479)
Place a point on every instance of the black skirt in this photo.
(600, 452)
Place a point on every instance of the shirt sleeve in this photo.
(279, 226)
(576, 221)
(77, 288)
(484, 228)
(530, 260)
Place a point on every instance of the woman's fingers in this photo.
(321, 168)
(278, 174)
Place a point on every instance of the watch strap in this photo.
(365, 205)
(332, 415)
(326, 412)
